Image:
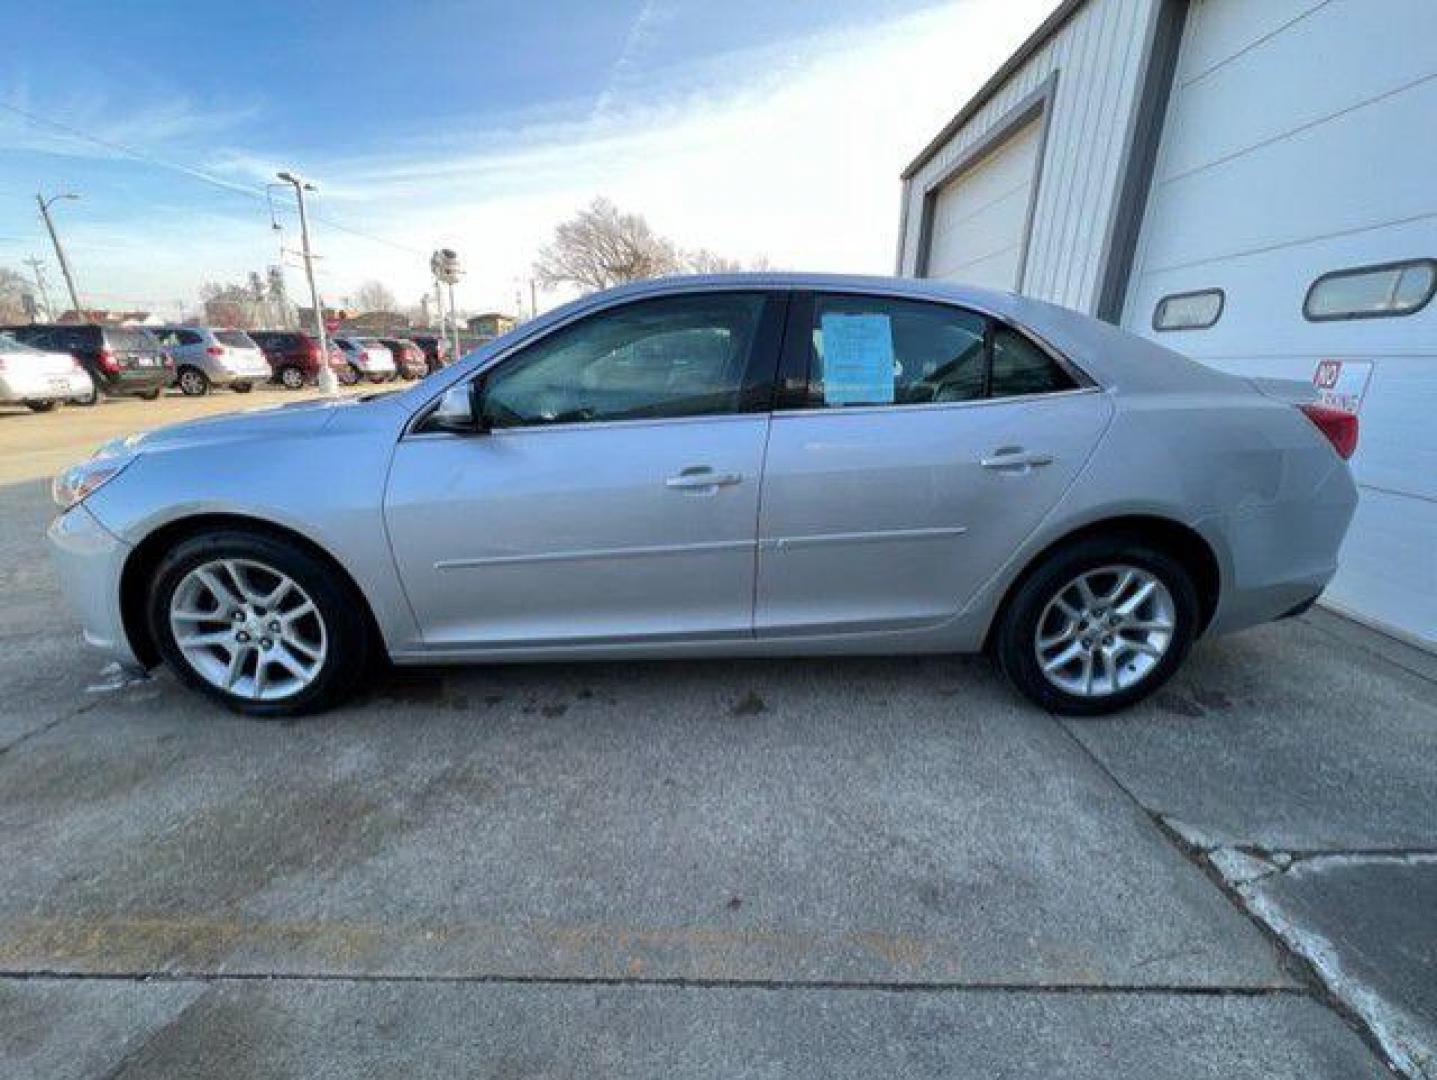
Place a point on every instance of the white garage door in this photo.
(1277, 167)
(980, 217)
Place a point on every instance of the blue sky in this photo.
(754, 127)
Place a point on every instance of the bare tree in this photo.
(14, 288)
(704, 261)
(375, 296)
(601, 246)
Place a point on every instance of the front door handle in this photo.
(701, 478)
(1015, 459)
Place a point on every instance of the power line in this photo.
(249, 191)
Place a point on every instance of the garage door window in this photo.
(1372, 292)
(875, 351)
(1189, 311)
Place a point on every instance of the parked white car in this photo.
(38, 379)
(369, 358)
(205, 357)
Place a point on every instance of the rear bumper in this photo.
(17, 387)
(88, 560)
(138, 381)
(1276, 559)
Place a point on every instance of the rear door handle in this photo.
(1015, 459)
(701, 478)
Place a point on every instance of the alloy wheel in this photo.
(1105, 631)
(248, 629)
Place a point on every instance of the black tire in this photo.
(242, 387)
(349, 375)
(1016, 629)
(291, 377)
(349, 644)
(192, 382)
(43, 406)
(151, 395)
(380, 378)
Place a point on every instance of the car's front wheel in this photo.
(43, 406)
(1097, 626)
(260, 624)
(242, 387)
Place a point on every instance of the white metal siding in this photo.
(1300, 139)
(980, 217)
(1099, 56)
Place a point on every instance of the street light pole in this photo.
(44, 204)
(327, 382)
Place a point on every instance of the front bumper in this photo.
(88, 559)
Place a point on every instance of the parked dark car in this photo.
(294, 357)
(120, 360)
(408, 357)
(436, 350)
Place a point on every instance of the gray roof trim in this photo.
(1050, 26)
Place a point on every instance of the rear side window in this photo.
(128, 337)
(188, 337)
(867, 350)
(1372, 292)
(1189, 310)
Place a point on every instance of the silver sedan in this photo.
(725, 466)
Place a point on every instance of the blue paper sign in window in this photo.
(857, 355)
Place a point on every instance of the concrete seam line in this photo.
(676, 983)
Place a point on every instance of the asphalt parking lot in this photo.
(857, 868)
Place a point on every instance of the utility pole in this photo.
(533, 301)
(44, 204)
(327, 382)
(454, 318)
(37, 267)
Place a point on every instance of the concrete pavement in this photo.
(823, 867)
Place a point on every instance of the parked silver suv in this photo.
(206, 357)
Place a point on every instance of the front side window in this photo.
(1189, 311)
(668, 357)
(869, 350)
(1372, 292)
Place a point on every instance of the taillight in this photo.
(214, 350)
(1338, 425)
(107, 360)
(312, 350)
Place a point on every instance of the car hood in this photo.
(265, 422)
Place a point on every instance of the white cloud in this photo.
(790, 151)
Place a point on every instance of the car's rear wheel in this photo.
(192, 382)
(263, 626)
(1097, 626)
(242, 387)
(291, 378)
(349, 375)
(43, 406)
(152, 395)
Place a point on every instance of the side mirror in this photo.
(457, 411)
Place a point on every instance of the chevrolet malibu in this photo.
(749, 465)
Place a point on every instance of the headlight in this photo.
(79, 481)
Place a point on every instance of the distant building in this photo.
(491, 324)
(375, 322)
(109, 318)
